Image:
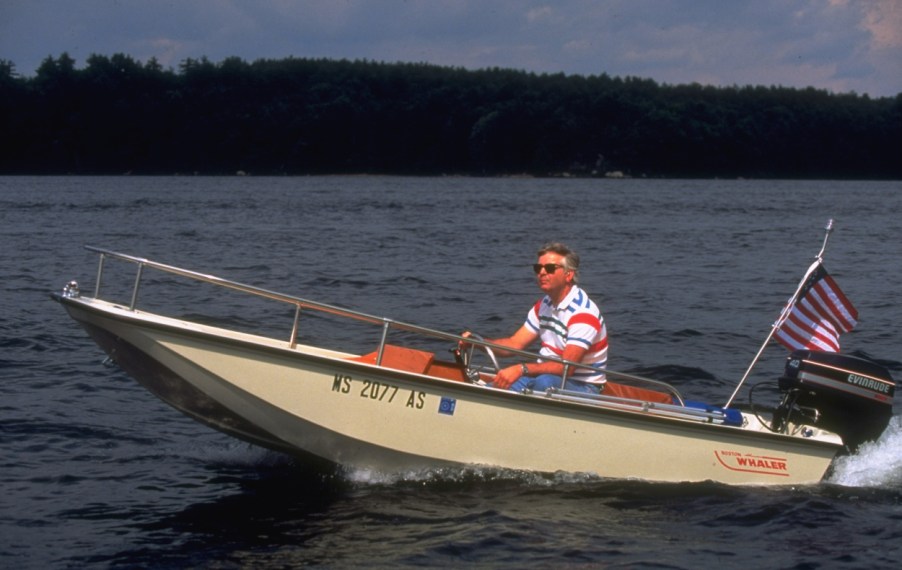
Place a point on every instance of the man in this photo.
(569, 326)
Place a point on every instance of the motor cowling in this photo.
(847, 395)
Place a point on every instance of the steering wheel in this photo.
(465, 358)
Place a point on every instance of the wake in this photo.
(877, 463)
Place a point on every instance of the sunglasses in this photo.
(548, 267)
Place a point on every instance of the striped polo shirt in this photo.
(575, 321)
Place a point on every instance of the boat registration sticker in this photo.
(446, 406)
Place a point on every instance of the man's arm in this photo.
(520, 340)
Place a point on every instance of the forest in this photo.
(294, 116)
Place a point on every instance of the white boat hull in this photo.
(312, 401)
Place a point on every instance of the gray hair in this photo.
(571, 259)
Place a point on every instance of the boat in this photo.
(400, 407)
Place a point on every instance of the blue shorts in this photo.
(542, 382)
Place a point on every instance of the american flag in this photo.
(820, 314)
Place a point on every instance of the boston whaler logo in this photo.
(735, 461)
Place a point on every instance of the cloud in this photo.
(539, 14)
(883, 19)
(842, 45)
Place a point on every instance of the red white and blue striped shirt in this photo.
(575, 321)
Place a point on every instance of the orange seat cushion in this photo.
(400, 358)
(624, 391)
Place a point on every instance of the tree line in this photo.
(316, 116)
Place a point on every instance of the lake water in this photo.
(690, 275)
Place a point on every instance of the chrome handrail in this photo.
(300, 303)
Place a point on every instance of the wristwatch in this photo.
(524, 369)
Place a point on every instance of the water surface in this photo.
(689, 275)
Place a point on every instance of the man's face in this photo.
(555, 281)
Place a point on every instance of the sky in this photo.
(841, 46)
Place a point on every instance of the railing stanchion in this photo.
(293, 342)
(386, 323)
(137, 286)
(99, 276)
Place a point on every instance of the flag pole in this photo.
(786, 310)
(828, 230)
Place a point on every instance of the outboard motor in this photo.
(849, 396)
